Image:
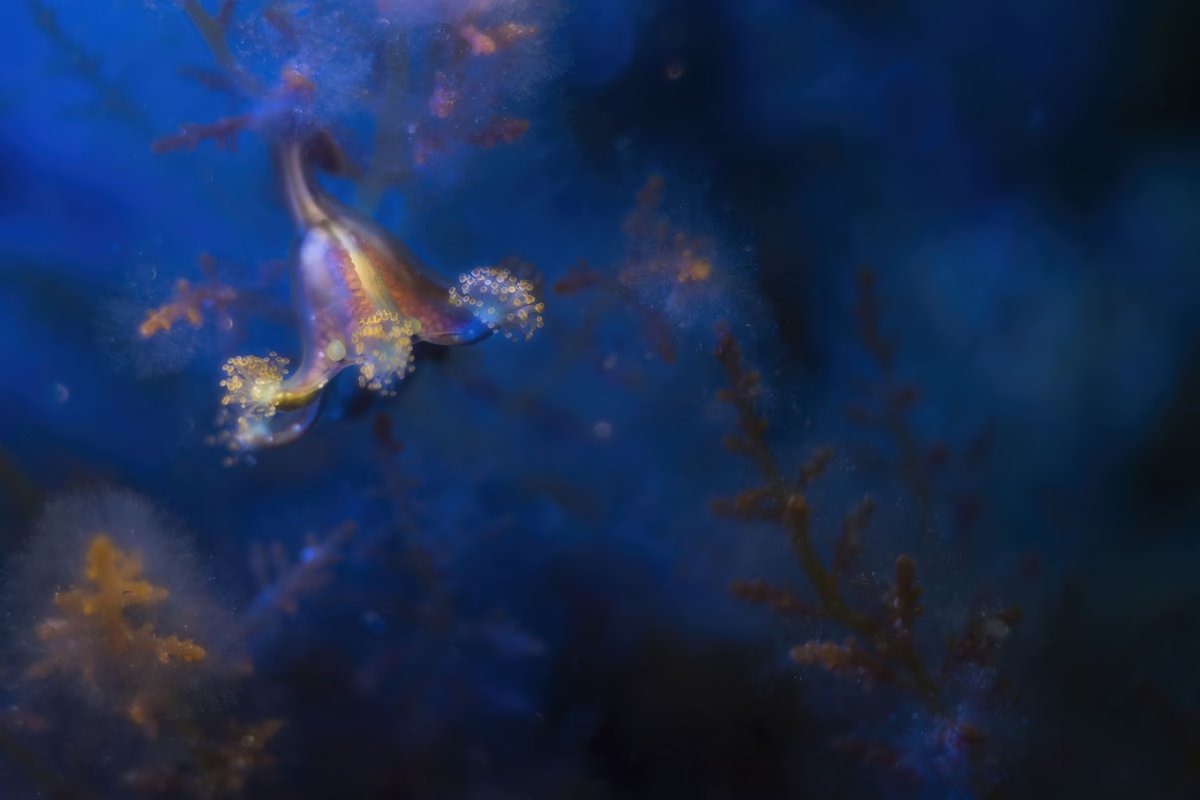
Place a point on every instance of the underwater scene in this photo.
(599, 399)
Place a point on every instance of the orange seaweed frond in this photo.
(223, 133)
(244, 754)
(846, 660)
(499, 130)
(218, 764)
(188, 303)
(100, 635)
(489, 41)
(101, 609)
(658, 250)
(781, 600)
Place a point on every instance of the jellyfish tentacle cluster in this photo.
(500, 299)
(362, 299)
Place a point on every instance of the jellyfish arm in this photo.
(253, 411)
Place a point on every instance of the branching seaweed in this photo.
(190, 302)
(131, 633)
(283, 579)
(880, 647)
(883, 645)
(97, 637)
(887, 408)
(112, 100)
(218, 766)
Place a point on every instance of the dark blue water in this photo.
(854, 455)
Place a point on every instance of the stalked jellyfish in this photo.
(362, 299)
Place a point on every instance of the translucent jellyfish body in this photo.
(362, 300)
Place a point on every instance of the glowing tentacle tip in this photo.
(501, 300)
(251, 383)
(252, 386)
